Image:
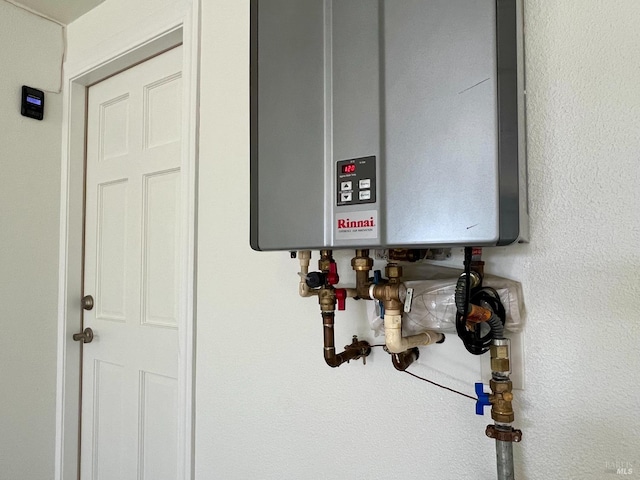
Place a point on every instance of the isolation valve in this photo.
(483, 399)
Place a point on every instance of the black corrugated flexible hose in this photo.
(488, 298)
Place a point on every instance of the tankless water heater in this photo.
(387, 123)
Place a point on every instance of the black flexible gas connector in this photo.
(488, 298)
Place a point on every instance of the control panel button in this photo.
(346, 197)
(365, 184)
(345, 186)
(365, 194)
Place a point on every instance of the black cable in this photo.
(431, 381)
(441, 386)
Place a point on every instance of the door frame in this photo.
(162, 30)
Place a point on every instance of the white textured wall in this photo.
(582, 404)
(268, 407)
(30, 54)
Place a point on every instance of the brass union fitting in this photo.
(500, 357)
(362, 261)
(324, 263)
(327, 299)
(393, 272)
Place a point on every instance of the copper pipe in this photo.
(356, 350)
(362, 284)
(352, 293)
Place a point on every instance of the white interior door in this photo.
(132, 264)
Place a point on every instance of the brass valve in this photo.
(327, 299)
(501, 386)
(392, 293)
(501, 401)
(389, 295)
(358, 349)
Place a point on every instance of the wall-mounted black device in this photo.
(32, 103)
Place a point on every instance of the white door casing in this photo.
(154, 32)
(132, 260)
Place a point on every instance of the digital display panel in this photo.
(349, 168)
(34, 100)
(32, 103)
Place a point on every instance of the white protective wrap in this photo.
(434, 308)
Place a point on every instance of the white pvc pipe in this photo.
(394, 340)
(305, 259)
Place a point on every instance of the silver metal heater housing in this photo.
(387, 123)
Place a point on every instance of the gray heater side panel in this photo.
(441, 140)
(508, 120)
(288, 149)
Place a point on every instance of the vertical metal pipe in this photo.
(504, 458)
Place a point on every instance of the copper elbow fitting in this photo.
(402, 361)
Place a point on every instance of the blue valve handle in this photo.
(483, 399)
(377, 278)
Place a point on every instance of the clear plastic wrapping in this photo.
(434, 307)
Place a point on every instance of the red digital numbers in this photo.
(350, 168)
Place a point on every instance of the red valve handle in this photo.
(332, 276)
(341, 297)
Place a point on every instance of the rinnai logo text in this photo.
(356, 225)
(346, 223)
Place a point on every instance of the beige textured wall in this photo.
(30, 54)
(268, 407)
